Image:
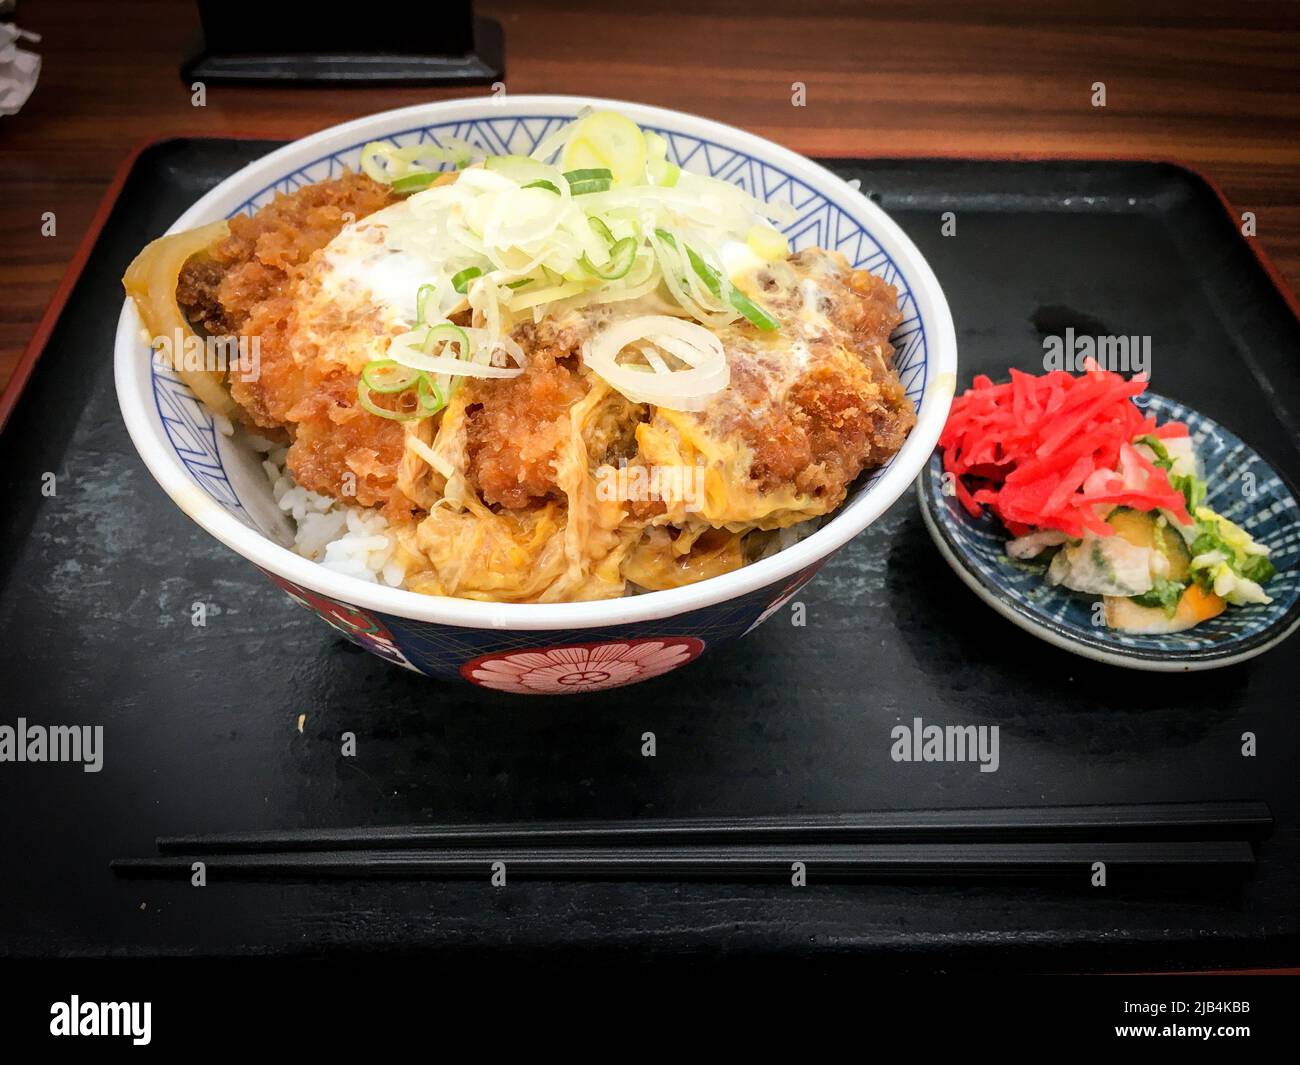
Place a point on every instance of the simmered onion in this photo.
(655, 381)
(151, 281)
(406, 351)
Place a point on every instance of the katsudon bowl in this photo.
(219, 479)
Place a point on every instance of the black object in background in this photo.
(201, 725)
(427, 42)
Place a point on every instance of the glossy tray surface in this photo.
(238, 724)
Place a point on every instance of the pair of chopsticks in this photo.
(1142, 839)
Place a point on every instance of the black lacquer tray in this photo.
(202, 725)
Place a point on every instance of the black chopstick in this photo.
(1174, 820)
(848, 861)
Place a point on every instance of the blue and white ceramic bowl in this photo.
(1242, 487)
(565, 647)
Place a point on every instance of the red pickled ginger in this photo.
(1043, 452)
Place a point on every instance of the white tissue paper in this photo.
(19, 68)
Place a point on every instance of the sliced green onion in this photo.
(621, 257)
(461, 281)
(606, 140)
(593, 179)
(414, 182)
(660, 170)
(448, 334)
(520, 283)
(591, 174)
(423, 295)
(706, 273)
(363, 397)
(664, 173)
(386, 162)
(547, 185)
(754, 314)
(601, 229)
(430, 397)
(387, 377)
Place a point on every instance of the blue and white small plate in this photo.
(975, 548)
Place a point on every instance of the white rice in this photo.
(346, 539)
(355, 540)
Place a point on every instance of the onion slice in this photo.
(654, 381)
(151, 282)
(405, 350)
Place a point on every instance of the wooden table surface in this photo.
(1218, 89)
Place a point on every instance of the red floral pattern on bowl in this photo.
(357, 625)
(581, 667)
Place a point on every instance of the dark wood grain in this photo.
(1216, 86)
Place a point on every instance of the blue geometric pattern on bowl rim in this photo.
(190, 427)
(1271, 516)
